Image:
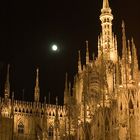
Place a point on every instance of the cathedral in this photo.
(102, 104)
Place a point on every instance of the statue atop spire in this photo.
(105, 4)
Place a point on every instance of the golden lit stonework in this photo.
(104, 104)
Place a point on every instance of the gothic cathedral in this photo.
(102, 104)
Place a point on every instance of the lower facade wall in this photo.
(16, 137)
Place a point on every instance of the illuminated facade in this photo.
(104, 103)
(20, 120)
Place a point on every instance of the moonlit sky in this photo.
(29, 28)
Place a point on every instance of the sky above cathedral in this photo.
(28, 29)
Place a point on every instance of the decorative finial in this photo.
(105, 4)
(123, 24)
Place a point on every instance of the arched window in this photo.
(20, 128)
(50, 132)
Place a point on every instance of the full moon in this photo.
(54, 47)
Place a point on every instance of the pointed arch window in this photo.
(131, 104)
(121, 106)
(50, 132)
(20, 128)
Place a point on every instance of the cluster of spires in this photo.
(126, 56)
(87, 58)
(129, 54)
(36, 89)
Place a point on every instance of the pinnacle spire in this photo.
(79, 62)
(7, 84)
(135, 66)
(37, 89)
(105, 4)
(69, 88)
(106, 18)
(56, 115)
(124, 48)
(87, 53)
(129, 52)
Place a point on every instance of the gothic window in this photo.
(49, 113)
(15, 109)
(98, 124)
(107, 124)
(27, 111)
(42, 113)
(133, 92)
(19, 110)
(20, 128)
(50, 132)
(131, 104)
(121, 106)
(53, 114)
(60, 115)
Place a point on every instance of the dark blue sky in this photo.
(28, 28)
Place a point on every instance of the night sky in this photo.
(28, 28)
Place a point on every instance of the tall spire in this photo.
(7, 84)
(37, 89)
(135, 66)
(124, 48)
(87, 53)
(129, 53)
(69, 88)
(105, 4)
(79, 62)
(106, 18)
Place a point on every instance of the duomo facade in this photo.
(104, 103)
